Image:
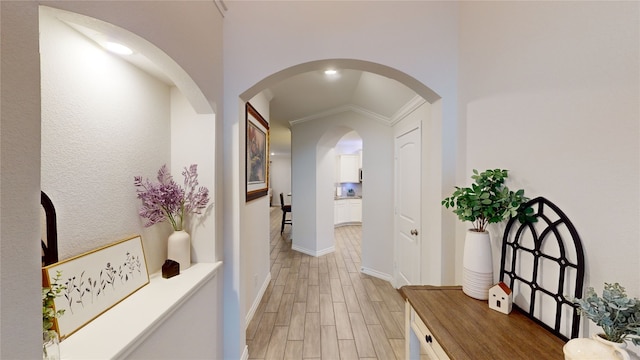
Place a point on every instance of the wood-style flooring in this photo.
(323, 307)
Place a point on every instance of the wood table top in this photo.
(467, 328)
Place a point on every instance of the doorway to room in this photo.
(348, 197)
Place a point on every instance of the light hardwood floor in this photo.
(323, 307)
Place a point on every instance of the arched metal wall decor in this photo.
(543, 264)
(50, 244)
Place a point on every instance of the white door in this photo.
(407, 208)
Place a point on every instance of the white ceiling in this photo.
(303, 97)
(313, 95)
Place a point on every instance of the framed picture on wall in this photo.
(257, 154)
(96, 281)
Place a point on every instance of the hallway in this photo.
(324, 308)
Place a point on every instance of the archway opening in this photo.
(348, 197)
(313, 199)
(312, 231)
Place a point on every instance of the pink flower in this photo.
(166, 200)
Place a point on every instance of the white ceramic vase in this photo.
(179, 248)
(477, 262)
(618, 349)
(50, 346)
(594, 348)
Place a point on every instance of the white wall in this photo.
(20, 182)
(103, 122)
(550, 91)
(193, 142)
(199, 26)
(280, 177)
(435, 267)
(325, 165)
(254, 247)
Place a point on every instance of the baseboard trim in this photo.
(256, 301)
(313, 253)
(326, 251)
(376, 273)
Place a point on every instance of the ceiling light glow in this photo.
(117, 48)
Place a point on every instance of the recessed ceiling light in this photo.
(330, 72)
(117, 48)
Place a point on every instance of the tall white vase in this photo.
(477, 262)
(179, 248)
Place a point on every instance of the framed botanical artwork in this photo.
(257, 150)
(96, 281)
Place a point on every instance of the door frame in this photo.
(407, 127)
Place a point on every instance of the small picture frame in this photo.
(96, 281)
(257, 154)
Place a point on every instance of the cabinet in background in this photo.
(347, 211)
(355, 210)
(349, 168)
(340, 212)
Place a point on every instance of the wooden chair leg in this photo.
(284, 215)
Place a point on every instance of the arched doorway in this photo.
(309, 229)
(311, 232)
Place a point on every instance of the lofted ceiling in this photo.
(313, 95)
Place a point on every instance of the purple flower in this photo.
(166, 200)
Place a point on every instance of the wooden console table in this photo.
(452, 325)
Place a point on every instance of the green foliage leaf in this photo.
(48, 296)
(488, 200)
(617, 314)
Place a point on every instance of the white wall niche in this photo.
(104, 121)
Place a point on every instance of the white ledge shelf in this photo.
(121, 329)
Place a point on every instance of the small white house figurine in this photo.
(500, 298)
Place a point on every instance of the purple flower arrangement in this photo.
(166, 200)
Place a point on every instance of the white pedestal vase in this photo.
(618, 350)
(179, 248)
(477, 275)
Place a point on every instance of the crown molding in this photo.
(403, 112)
(341, 109)
(222, 7)
(407, 109)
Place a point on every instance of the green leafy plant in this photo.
(617, 314)
(488, 200)
(49, 314)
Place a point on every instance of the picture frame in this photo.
(257, 154)
(96, 281)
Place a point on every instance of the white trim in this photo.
(348, 223)
(314, 253)
(376, 273)
(407, 109)
(341, 109)
(245, 353)
(257, 300)
(344, 108)
(403, 112)
(222, 7)
(328, 250)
